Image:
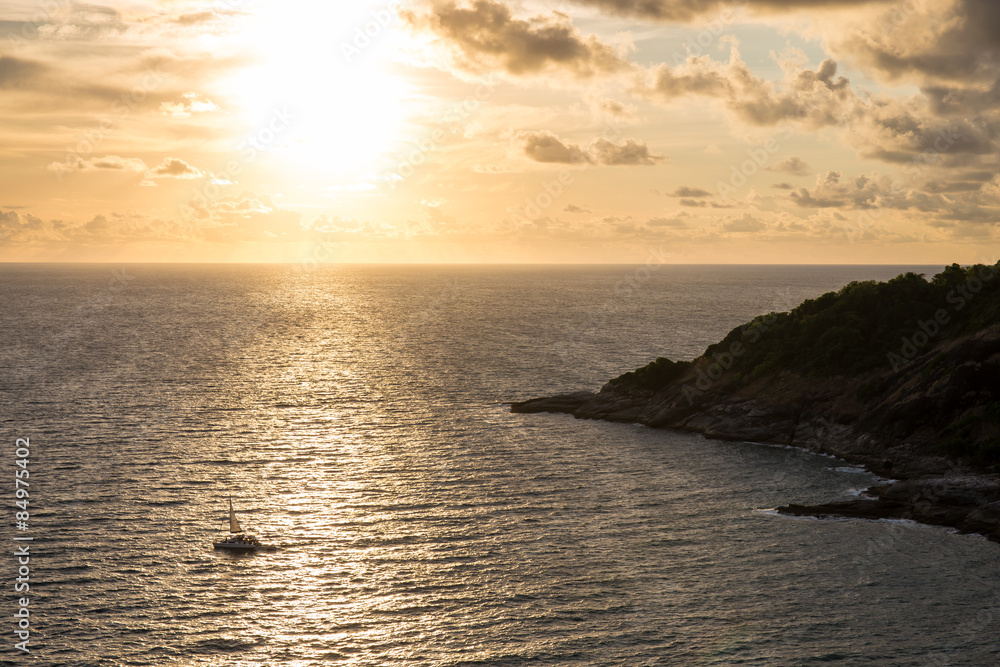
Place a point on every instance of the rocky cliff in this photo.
(928, 416)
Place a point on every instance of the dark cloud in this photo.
(486, 36)
(15, 226)
(811, 98)
(544, 146)
(805, 199)
(17, 73)
(871, 192)
(43, 86)
(630, 152)
(694, 203)
(547, 147)
(893, 131)
(950, 44)
(744, 224)
(688, 10)
(196, 18)
(573, 208)
(685, 191)
(793, 165)
(783, 186)
(938, 187)
(976, 214)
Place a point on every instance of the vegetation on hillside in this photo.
(654, 375)
(865, 326)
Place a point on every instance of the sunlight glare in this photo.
(335, 78)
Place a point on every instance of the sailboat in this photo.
(239, 540)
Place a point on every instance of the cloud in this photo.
(805, 199)
(573, 208)
(899, 132)
(942, 187)
(631, 152)
(830, 193)
(85, 21)
(811, 98)
(688, 10)
(614, 108)
(244, 217)
(173, 167)
(672, 223)
(486, 37)
(190, 104)
(546, 147)
(685, 191)
(43, 85)
(106, 163)
(543, 146)
(889, 129)
(15, 227)
(954, 44)
(197, 18)
(868, 192)
(693, 203)
(745, 224)
(793, 165)
(18, 73)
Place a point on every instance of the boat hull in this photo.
(232, 546)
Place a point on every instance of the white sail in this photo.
(234, 524)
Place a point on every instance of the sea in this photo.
(358, 416)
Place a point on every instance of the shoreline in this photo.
(921, 485)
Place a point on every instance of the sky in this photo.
(590, 131)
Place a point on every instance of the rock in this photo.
(897, 429)
(959, 491)
(562, 403)
(984, 520)
(855, 509)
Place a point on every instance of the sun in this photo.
(331, 68)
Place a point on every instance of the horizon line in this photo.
(316, 265)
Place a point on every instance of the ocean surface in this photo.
(358, 417)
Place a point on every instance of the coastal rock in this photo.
(568, 403)
(984, 520)
(853, 509)
(896, 430)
